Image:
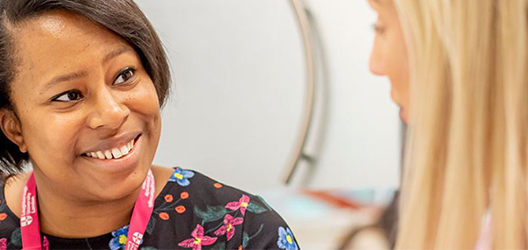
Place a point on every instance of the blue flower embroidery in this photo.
(181, 177)
(286, 240)
(120, 238)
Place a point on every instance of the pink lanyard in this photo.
(29, 221)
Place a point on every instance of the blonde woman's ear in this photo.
(12, 129)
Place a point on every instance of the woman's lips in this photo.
(116, 165)
(115, 142)
(113, 153)
(394, 97)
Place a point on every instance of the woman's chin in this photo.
(118, 191)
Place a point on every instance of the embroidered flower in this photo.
(45, 243)
(180, 209)
(241, 204)
(164, 216)
(169, 198)
(181, 177)
(3, 244)
(198, 239)
(286, 240)
(120, 238)
(229, 226)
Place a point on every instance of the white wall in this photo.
(238, 73)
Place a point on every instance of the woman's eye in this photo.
(69, 96)
(124, 75)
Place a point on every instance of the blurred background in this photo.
(238, 103)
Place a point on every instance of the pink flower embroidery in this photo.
(229, 226)
(45, 243)
(3, 244)
(241, 204)
(198, 239)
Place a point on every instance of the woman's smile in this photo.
(116, 159)
(115, 148)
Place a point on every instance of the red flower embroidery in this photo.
(180, 209)
(241, 204)
(164, 216)
(198, 239)
(229, 226)
(168, 198)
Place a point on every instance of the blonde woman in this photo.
(465, 182)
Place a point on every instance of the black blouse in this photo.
(191, 212)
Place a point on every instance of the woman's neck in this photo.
(68, 218)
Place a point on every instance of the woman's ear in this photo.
(12, 128)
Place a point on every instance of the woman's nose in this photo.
(376, 61)
(109, 111)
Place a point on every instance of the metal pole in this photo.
(298, 149)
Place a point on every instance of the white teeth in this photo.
(125, 150)
(108, 154)
(114, 153)
(100, 155)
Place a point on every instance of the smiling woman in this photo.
(81, 86)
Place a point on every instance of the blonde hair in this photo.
(467, 144)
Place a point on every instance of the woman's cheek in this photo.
(145, 99)
(52, 139)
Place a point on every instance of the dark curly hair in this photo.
(123, 17)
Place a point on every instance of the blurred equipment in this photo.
(313, 125)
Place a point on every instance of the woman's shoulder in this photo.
(207, 191)
(10, 193)
(227, 215)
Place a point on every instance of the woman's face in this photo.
(88, 111)
(389, 53)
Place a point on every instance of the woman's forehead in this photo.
(58, 41)
(55, 23)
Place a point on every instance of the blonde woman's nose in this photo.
(376, 63)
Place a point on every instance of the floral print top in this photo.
(191, 212)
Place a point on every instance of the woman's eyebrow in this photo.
(117, 52)
(64, 78)
(81, 74)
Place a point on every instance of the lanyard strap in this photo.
(29, 220)
(142, 212)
